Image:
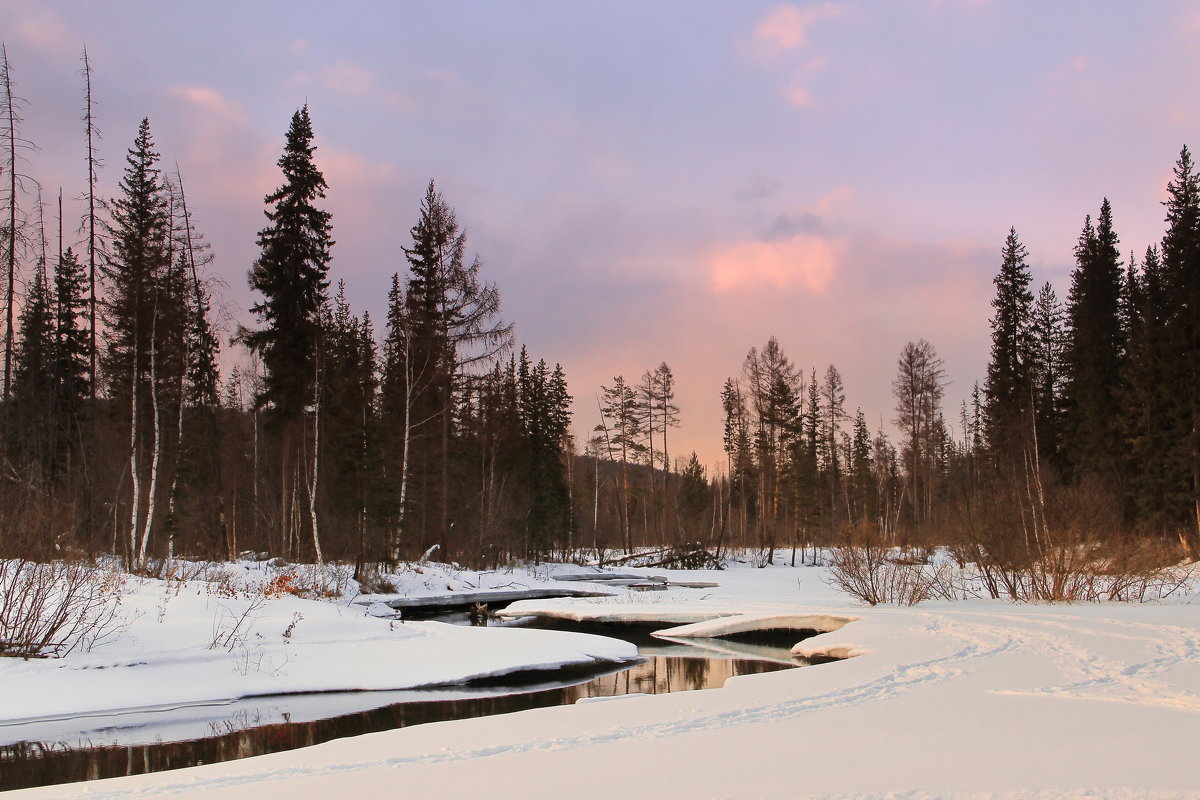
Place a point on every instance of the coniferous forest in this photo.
(371, 441)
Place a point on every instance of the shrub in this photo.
(876, 574)
(50, 609)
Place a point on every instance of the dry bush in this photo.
(372, 580)
(1070, 568)
(868, 568)
(51, 609)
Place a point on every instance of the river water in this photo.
(133, 743)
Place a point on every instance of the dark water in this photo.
(136, 743)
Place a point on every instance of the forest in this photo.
(356, 440)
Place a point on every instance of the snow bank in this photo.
(189, 643)
(969, 700)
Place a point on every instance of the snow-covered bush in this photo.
(51, 609)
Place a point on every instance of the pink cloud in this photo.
(45, 31)
(786, 26)
(796, 91)
(807, 261)
(835, 200)
(799, 96)
(209, 101)
(349, 169)
(347, 76)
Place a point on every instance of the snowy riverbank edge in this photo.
(197, 641)
(971, 699)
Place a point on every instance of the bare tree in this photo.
(11, 141)
(93, 163)
(918, 388)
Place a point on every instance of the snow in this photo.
(270, 646)
(974, 699)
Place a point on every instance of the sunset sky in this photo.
(654, 181)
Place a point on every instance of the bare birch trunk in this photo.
(135, 478)
(171, 510)
(316, 464)
(405, 449)
(156, 458)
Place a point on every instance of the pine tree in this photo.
(810, 449)
(919, 386)
(1159, 486)
(135, 267)
(546, 410)
(622, 440)
(833, 414)
(452, 330)
(200, 345)
(739, 461)
(772, 382)
(864, 491)
(291, 274)
(139, 329)
(1095, 353)
(71, 346)
(1009, 389)
(693, 496)
(33, 387)
(1048, 327)
(1181, 285)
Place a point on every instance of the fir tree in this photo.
(1009, 386)
(71, 337)
(140, 317)
(291, 275)
(1181, 285)
(453, 329)
(1095, 353)
(693, 496)
(135, 267)
(1158, 468)
(32, 388)
(1046, 371)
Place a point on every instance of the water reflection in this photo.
(255, 726)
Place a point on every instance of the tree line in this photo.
(334, 441)
(119, 434)
(1086, 428)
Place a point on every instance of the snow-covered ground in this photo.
(968, 699)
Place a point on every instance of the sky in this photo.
(653, 181)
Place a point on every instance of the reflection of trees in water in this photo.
(695, 673)
(28, 764)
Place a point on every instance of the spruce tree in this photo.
(453, 333)
(1009, 386)
(692, 497)
(71, 336)
(1095, 354)
(1049, 345)
(291, 275)
(864, 491)
(1159, 485)
(1181, 285)
(134, 268)
(32, 388)
(833, 413)
(139, 318)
